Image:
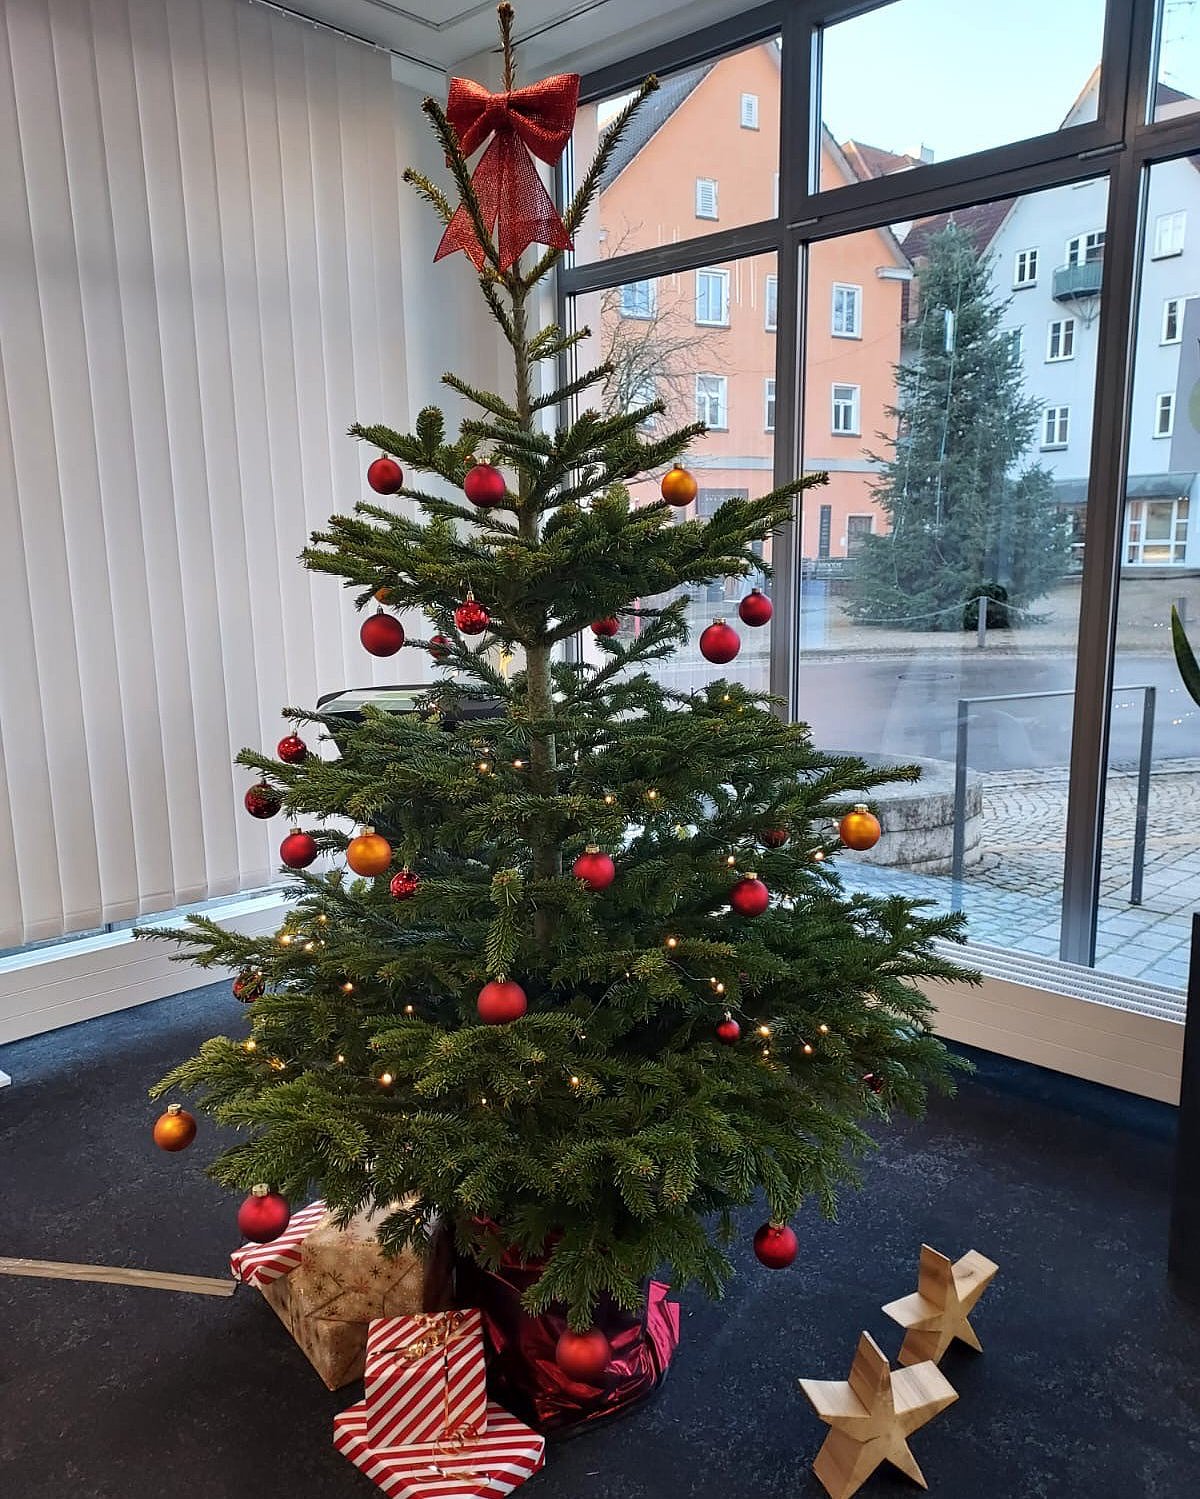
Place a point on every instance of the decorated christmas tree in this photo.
(579, 977)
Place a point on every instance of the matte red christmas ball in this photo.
(679, 487)
(381, 634)
(174, 1130)
(860, 829)
(755, 608)
(249, 986)
(369, 854)
(774, 837)
(439, 647)
(583, 1355)
(720, 643)
(484, 485)
(298, 849)
(501, 1001)
(385, 476)
(292, 750)
(606, 627)
(728, 1031)
(404, 884)
(596, 870)
(471, 617)
(262, 801)
(750, 897)
(776, 1245)
(263, 1216)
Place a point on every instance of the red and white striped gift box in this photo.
(425, 1378)
(486, 1468)
(260, 1264)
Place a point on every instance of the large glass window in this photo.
(1177, 86)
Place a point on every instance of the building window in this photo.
(1056, 426)
(857, 526)
(1060, 340)
(637, 299)
(1025, 268)
(845, 410)
(711, 401)
(706, 197)
(769, 405)
(1172, 320)
(749, 114)
(847, 311)
(1085, 248)
(1016, 343)
(771, 304)
(1164, 414)
(1168, 234)
(712, 298)
(642, 394)
(1157, 532)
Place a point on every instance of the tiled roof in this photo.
(874, 161)
(655, 113)
(980, 221)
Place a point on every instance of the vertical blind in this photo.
(200, 288)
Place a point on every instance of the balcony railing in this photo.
(1082, 280)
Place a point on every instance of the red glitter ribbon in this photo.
(523, 123)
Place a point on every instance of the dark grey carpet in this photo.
(1089, 1386)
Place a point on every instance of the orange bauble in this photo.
(679, 487)
(174, 1130)
(369, 854)
(859, 829)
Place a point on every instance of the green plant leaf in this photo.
(1189, 668)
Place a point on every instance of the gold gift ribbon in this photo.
(442, 1330)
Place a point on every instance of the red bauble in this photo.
(385, 476)
(679, 487)
(606, 627)
(596, 870)
(439, 647)
(484, 486)
(720, 643)
(471, 617)
(174, 1130)
(262, 801)
(249, 986)
(755, 608)
(774, 837)
(873, 1081)
(728, 1031)
(750, 897)
(298, 849)
(583, 1355)
(263, 1216)
(776, 1245)
(292, 750)
(404, 884)
(369, 854)
(501, 1001)
(381, 634)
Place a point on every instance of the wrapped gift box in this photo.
(493, 1464)
(326, 1284)
(425, 1379)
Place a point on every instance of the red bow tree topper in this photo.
(512, 200)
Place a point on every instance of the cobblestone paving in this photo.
(1012, 898)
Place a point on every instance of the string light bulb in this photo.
(386, 1079)
(310, 946)
(339, 1057)
(764, 1030)
(250, 1044)
(518, 765)
(823, 1029)
(322, 919)
(347, 987)
(574, 1081)
(609, 799)
(731, 860)
(652, 795)
(818, 855)
(807, 1049)
(672, 942)
(285, 939)
(409, 1009)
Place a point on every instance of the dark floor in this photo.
(1090, 1385)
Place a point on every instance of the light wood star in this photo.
(936, 1313)
(871, 1415)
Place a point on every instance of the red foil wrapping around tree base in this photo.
(522, 1372)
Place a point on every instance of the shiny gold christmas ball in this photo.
(369, 854)
(174, 1130)
(859, 829)
(679, 487)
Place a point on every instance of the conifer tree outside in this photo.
(617, 1125)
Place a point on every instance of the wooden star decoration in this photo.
(937, 1312)
(871, 1415)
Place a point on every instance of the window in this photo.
(711, 401)
(1016, 343)
(706, 197)
(1172, 320)
(749, 114)
(1060, 340)
(847, 311)
(1164, 414)
(771, 303)
(1168, 234)
(769, 405)
(1156, 532)
(1025, 268)
(845, 410)
(1085, 248)
(712, 298)
(857, 526)
(642, 393)
(637, 299)
(1056, 426)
